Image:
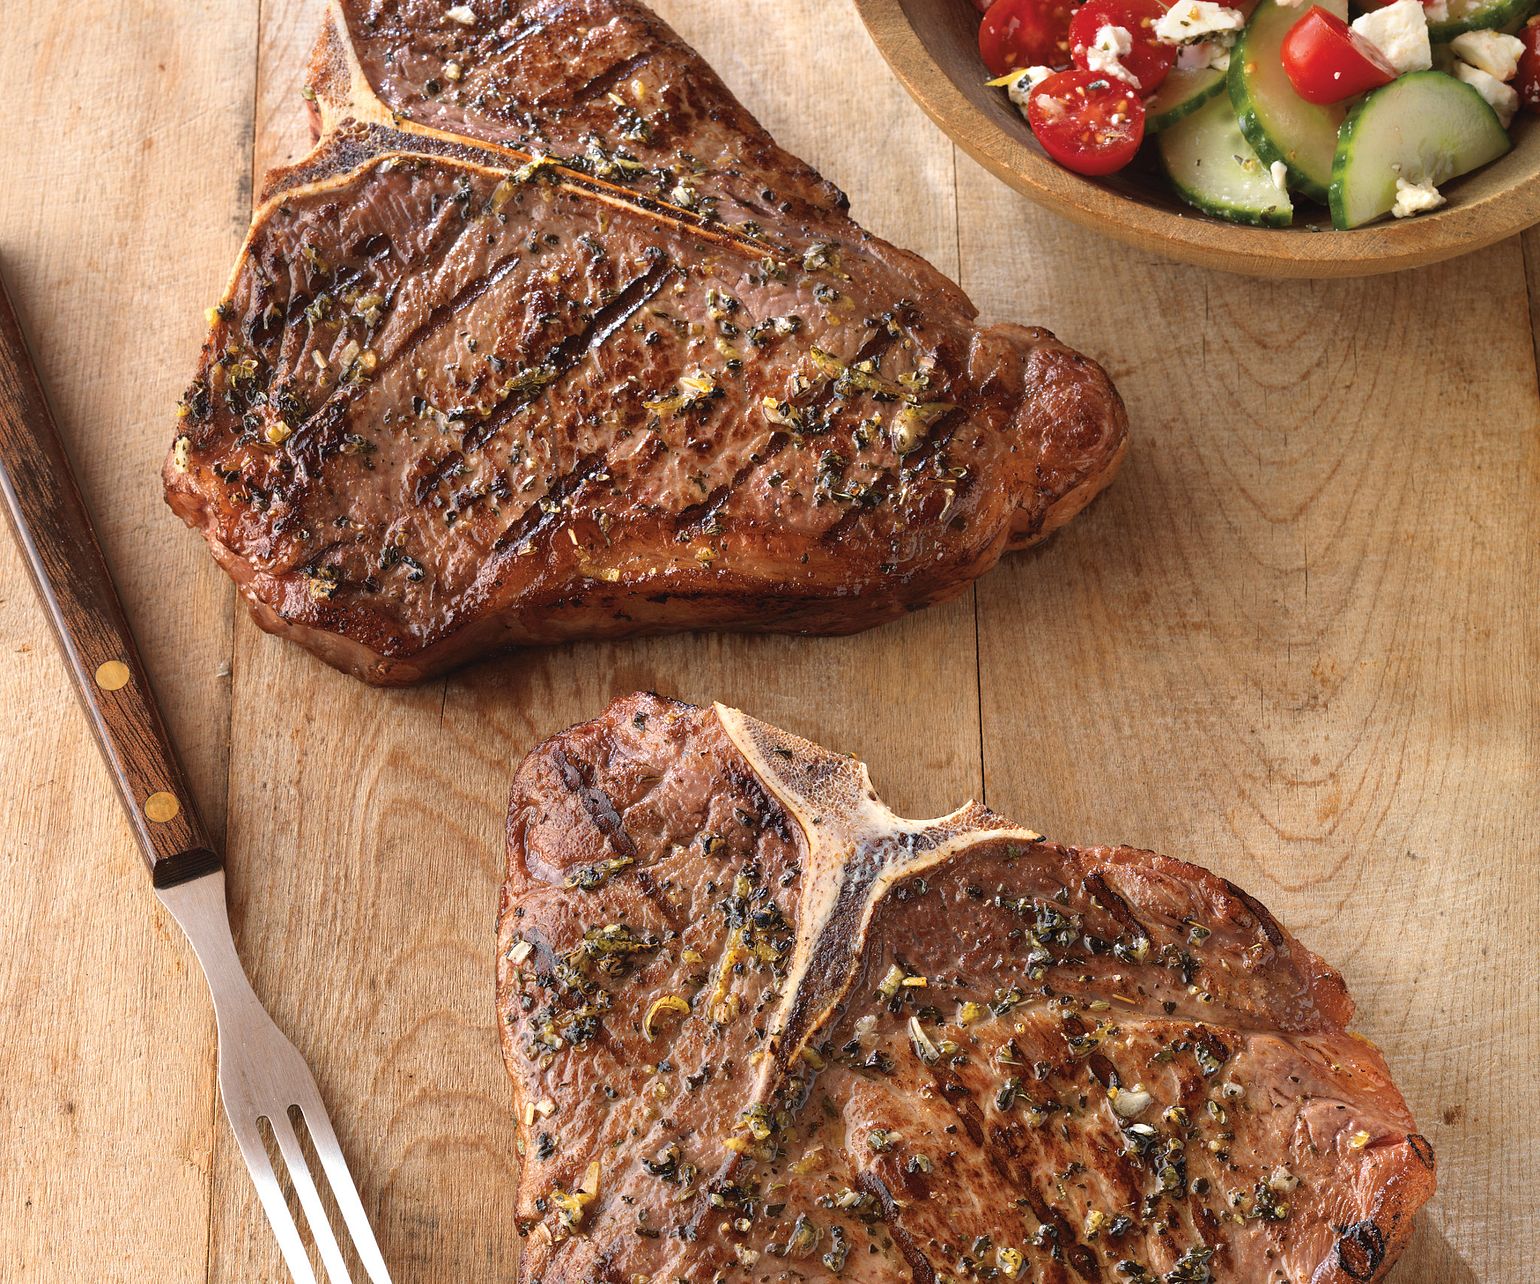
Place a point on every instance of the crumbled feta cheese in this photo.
(1203, 55)
(1504, 99)
(1415, 198)
(1400, 32)
(1493, 52)
(1106, 53)
(1280, 173)
(461, 13)
(1189, 20)
(1438, 10)
(1021, 88)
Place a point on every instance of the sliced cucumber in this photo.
(1423, 127)
(1278, 123)
(1476, 15)
(1212, 166)
(1181, 93)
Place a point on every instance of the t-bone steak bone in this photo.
(548, 339)
(761, 1028)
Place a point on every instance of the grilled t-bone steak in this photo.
(761, 1028)
(548, 339)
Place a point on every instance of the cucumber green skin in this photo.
(1165, 115)
(1347, 140)
(1249, 111)
(1280, 215)
(1501, 15)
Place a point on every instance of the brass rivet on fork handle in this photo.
(261, 1074)
(161, 807)
(112, 675)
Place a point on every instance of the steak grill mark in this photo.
(818, 438)
(1188, 1102)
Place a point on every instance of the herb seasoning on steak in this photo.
(760, 1028)
(548, 339)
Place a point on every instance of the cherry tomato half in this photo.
(1147, 60)
(1025, 33)
(1527, 82)
(1327, 61)
(1088, 121)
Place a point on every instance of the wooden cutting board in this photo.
(1297, 642)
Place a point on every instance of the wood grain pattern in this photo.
(1298, 605)
(1296, 641)
(117, 115)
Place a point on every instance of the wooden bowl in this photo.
(933, 47)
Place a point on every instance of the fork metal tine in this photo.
(270, 1192)
(258, 1067)
(261, 1075)
(309, 1198)
(329, 1151)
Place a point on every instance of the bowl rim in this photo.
(1460, 228)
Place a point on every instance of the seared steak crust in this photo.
(760, 1028)
(548, 339)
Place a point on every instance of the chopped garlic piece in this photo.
(1129, 1103)
(1280, 173)
(923, 1047)
(1282, 1180)
(461, 13)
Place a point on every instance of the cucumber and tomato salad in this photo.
(1306, 107)
(1089, 120)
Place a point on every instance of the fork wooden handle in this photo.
(55, 534)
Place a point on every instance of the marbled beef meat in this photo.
(760, 1028)
(548, 339)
